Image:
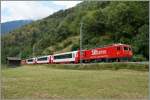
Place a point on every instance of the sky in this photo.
(32, 10)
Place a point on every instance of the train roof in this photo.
(13, 58)
(115, 44)
(64, 53)
(105, 46)
(43, 56)
(31, 58)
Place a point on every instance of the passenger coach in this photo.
(67, 57)
(31, 61)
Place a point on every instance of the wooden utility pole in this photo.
(33, 50)
(81, 41)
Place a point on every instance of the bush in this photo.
(67, 43)
(75, 47)
(102, 66)
(138, 58)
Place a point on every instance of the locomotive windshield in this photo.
(125, 48)
(63, 56)
(129, 49)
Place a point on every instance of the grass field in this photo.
(45, 82)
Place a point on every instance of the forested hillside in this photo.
(104, 22)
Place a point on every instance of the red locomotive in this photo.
(114, 52)
(108, 53)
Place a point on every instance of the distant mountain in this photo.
(12, 25)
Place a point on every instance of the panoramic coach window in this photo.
(41, 59)
(30, 60)
(63, 56)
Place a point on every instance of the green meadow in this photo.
(52, 82)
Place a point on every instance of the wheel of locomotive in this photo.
(117, 60)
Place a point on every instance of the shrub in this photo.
(102, 66)
(75, 47)
(138, 58)
(67, 43)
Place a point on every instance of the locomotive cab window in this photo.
(125, 48)
(129, 49)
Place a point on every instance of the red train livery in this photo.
(108, 53)
(114, 52)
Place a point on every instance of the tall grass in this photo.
(102, 66)
(46, 82)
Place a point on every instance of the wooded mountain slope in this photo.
(104, 22)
